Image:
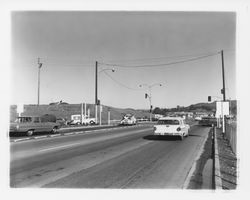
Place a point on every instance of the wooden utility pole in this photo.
(38, 91)
(96, 85)
(223, 77)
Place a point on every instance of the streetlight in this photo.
(150, 95)
(97, 101)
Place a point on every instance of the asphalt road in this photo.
(120, 158)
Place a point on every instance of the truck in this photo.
(82, 119)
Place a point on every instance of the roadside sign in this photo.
(222, 108)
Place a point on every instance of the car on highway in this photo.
(208, 121)
(128, 119)
(34, 124)
(171, 126)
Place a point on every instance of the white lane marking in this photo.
(91, 141)
(56, 135)
(37, 137)
(17, 140)
(60, 147)
(69, 133)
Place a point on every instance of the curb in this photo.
(193, 167)
(71, 133)
(217, 174)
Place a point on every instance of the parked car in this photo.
(208, 121)
(33, 124)
(128, 119)
(171, 126)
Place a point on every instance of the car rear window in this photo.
(23, 119)
(170, 122)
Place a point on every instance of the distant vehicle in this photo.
(128, 119)
(61, 121)
(142, 119)
(78, 119)
(208, 121)
(171, 126)
(197, 118)
(33, 124)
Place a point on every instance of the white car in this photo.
(172, 126)
(128, 119)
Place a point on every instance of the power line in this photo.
(160, 58)
(162, 64)
(118, 82)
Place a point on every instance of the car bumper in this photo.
(169, 134)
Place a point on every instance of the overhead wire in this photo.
(123, 85)
(158, 58)
(161, 64)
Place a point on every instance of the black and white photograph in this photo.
(123, 99)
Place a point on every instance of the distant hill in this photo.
(199, 107)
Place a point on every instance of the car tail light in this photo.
(178, 129)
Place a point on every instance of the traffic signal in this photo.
(146, 95)
(151, 108)
(209, 98)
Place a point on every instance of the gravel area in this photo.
(228, 163)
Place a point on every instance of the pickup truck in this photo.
(78, 119)
(33, 124)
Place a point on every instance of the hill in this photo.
(199, 107)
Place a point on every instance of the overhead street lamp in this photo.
(150, 95)
(97, 101)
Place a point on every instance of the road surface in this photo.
(121, 158)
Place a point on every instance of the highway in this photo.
(128, 157)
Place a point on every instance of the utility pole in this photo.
(223, 91)
(38, 91)
(223, 77)
(96, 77)
(96, 97)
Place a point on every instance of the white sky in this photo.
(69, 43)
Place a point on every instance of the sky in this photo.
(139, 46)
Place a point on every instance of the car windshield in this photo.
(23, 119)
(169, 121)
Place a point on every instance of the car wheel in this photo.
(92, 122)
(54, 130)
(30, 132)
